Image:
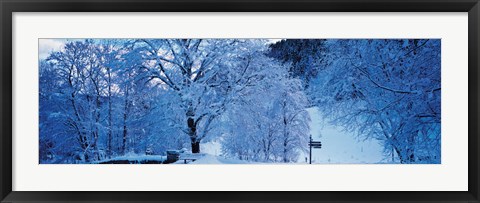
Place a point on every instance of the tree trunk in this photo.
(399, 154)
(195, 147)
(393, 154)
(125, 131)
(285, 132)
(193, 135)
(411, 148)
(192, 131)
(96, 133)
(124, 141)
(110, 123)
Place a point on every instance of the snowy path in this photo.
(338, 146)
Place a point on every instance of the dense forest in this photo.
(106, 98)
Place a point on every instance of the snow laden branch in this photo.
(205, 75)
(387, 90)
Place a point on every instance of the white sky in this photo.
(46, 46)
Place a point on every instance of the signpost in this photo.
(314, 144)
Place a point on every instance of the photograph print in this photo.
(239, 101)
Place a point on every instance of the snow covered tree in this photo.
(294, 120)
(204, 74)
(82, 83)
(387, 90)
(268, 121)
(54, 141)
(93, 97)
(305, 57)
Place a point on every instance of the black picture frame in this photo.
(7, 7)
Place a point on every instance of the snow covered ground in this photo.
(210, 159)
(135, 159)
(338, 147)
